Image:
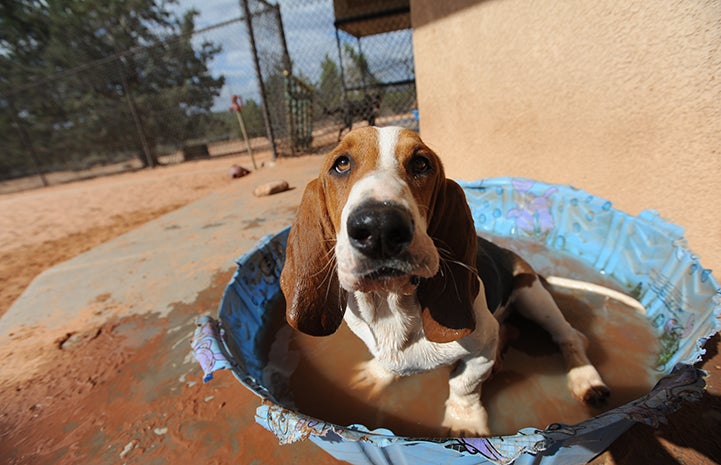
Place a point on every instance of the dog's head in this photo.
(382, 217)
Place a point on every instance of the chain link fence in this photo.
(357, 58)
(303, 72)
(159, 101)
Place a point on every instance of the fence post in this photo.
(346, 104)
(287, 64)
(259, 75)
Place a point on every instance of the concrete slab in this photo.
(165, 261)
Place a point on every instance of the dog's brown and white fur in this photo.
(383, 240)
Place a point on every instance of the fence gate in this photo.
(299, 111)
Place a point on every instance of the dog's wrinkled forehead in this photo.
(378, 161)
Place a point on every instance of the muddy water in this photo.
(529, 391)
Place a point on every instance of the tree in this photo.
(223, 125)
(358, 75)
(112, 77)
(253, 117)
(357, 72)
(330, 88)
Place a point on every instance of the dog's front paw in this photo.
(586, 385)
(465, 420)
(371, 376)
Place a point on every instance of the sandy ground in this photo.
(96, 395)
(42, 227)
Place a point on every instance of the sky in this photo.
(235, 61)
(309, 33)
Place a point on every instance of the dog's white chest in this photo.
(390, 326)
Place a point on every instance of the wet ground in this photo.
(127, 391)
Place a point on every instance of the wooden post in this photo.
(241, 123)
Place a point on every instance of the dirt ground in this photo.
(42, 227)
(96, 394)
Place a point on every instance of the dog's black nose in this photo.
(380, 230)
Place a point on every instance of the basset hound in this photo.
(385, 242)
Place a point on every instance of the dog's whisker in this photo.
(329, 278)
(463, 265)
(330, 271)
(448, 256)
(330, 261)
(453, 279)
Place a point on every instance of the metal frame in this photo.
(338, 24)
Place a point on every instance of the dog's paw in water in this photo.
(373, 377)
(465, 419)
(586, 385)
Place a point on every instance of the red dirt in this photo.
(97, 396)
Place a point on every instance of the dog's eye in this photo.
(342, 164)
(420, 164)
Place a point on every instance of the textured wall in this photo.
(622, 99)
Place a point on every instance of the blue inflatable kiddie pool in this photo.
(645, 256)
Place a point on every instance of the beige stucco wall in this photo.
(619, 98)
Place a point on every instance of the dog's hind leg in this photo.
(532, 300)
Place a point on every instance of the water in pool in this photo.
(530, 391)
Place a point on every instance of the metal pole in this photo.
(340, 62)
(291, 116)
(259, 75)
(286, 56)
(26, 141)
(363, 65)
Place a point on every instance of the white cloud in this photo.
(211, 11)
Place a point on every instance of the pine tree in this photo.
(101, 79)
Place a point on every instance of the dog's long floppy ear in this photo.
(447, 298)
(315, 302)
